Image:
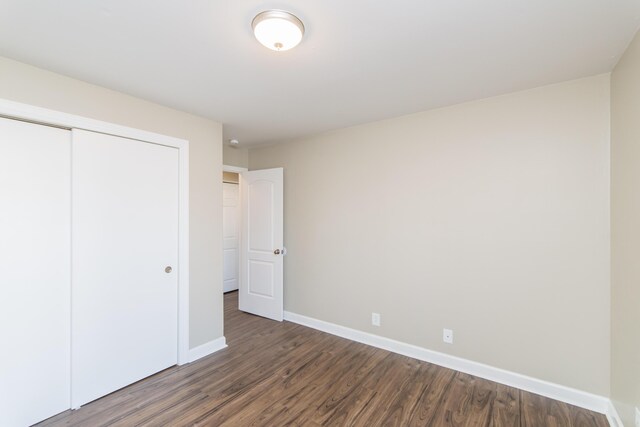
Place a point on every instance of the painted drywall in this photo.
(235, 156)
(23, 83)
(490, 218)
(625, 233)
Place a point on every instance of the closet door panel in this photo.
(125, 254)
(35, 210)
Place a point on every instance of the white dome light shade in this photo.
(277, 29)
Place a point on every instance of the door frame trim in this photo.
(39, 115)
(236, 169)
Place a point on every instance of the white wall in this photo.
(23, 83)
(625, 232)
(490, 218)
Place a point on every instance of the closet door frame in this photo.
(16, 110)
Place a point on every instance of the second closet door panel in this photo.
(124, 262)
(35, 208)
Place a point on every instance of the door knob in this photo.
(277, 252)
(168, 269)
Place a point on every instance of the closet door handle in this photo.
(168, 269)
(277, 252)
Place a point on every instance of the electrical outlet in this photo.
(375, 319)
(447, 336)
(637, 417)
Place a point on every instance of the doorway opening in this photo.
(231, 227)
(253, 239)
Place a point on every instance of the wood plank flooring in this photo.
(277, 374)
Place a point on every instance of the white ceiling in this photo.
(359, 61)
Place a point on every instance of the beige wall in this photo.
(30, 85)
(490, 218)
(235, 156)
(625, 232)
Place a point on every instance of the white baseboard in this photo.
(612, 416)
(569, 395)
(207, 349)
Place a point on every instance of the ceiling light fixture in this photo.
(277, 29)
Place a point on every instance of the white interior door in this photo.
(35, 211)
(124, 262)
(261, 248)
(230, 235)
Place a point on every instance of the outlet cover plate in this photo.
(375, 319)
(447, 336)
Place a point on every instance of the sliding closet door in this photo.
(124, 262)
(35, 209)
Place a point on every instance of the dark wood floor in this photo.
(276, 374)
